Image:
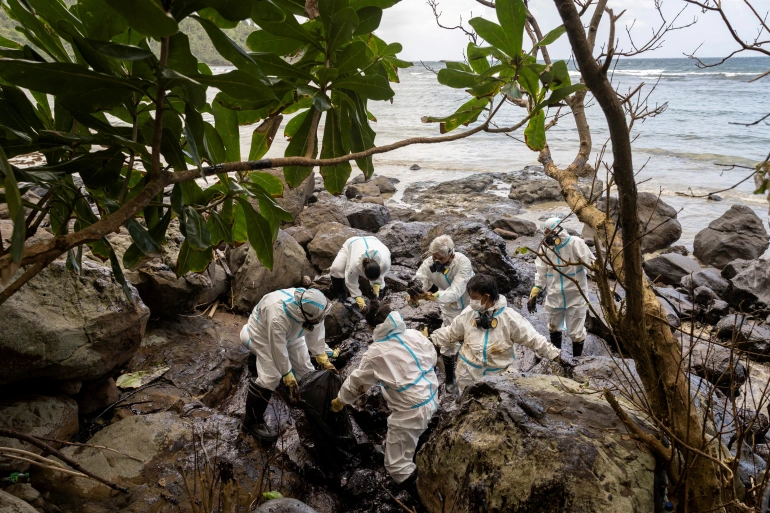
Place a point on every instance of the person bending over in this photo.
(360, 256)
(401, 360)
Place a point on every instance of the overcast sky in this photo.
(411, 23)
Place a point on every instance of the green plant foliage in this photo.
(69, 68)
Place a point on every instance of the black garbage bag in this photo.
(331, 433)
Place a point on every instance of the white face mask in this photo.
(477, 306)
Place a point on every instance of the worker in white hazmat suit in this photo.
(283, 328)
(447, 272)
(563, 274)
(360, 256)
(401, 360)
(488, 329)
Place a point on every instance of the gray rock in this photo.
(319, 213)
(404, 241)
(670, 268)
(26, 493)
(513, 224)
(737, 234)
(37, 415)
(716, 311)
(361, 189)
(294, 200)
(301, 234)
(485, 249)
(503, 428)
(681, 250)
(366, 216)
(710, 278)
(328, 241)
(340, 321)
(678, 301)
(538, 188)
(749, 285)
(10, 504)
(735, 267)
(69, 327)
(659, 224)
(704, 295)
(252, 280)
(399, 213)
(714, 363)
(415, 167)
(397, 280)
(384, 183)
(284, 505)
(753, 339)
(505, 234)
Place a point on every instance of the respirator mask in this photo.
(440, 267)
(554, 237)
(485, 321)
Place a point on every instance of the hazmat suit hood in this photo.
(499, 304)
(392, 325)
(314, 305)
(551, 223)
(375, 255)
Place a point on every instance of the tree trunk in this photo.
(641, 327)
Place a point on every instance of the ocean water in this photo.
(677, 151)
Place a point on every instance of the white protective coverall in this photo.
(275, 335)
(349, 262)
(565, 307)
(490, 351)
(401, 360)
(453, 296)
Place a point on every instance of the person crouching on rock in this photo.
(563, 274)
(446, 273)
(283, 326)
(401, 360)
(360, 256)
(488, 329)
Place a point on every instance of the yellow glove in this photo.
(324, 362)
(534, 292)
(291, 383)
(433, 297)
(424, 331)
(361, 303)
(337, 405)
(335, 353)
(376, 289)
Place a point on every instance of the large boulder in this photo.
(252, 280)
(678, 301)
(483, 247)
(366, 216)
(37, 415)
(328, 241)
(513, 224)
(710, 278)
(737, 234)
(527, 444)
(317, 214)
(659, 225)
(533, 186)
(670, 268)
(69, 327)
(404, 241)
(752, 338)
(714, 363)
(10, 504)
(749, 284)
(294, 200)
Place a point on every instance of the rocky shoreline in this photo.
(66, 339)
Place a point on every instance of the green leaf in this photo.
(229, 49)
(289, 29)
(240, 233)
(226, 122)
(16, 211)
(467, 113)
(560, 75)
(272, 495)
(534, 134)
(117, 273)
(142, 238)
(297, 147)
(373, 87)
(62, 78)
(270, 183)
(191, 260)
(382, 4)
(552, 36)
(560, 94)
(172, 150)
(264, 41)
(336, 176)
(262, 138)
(38, 33)
(529, 80)
(460, 66)
(53, 11)
(478, 58)
(294, 123)
(352, 58)
(193, 134)
(213, 144)
(180, 58)
(106, 168)
(8, 43)
(260, 233)
(219, 230)
(272, 64)
(146, 16)
(457, 79)
(195, 230)
(369, 19)
(217, 19)
(495, 35)
(100, 21)
(342, 26)
(361, 134)
(512, 15)
(119, 51)
(237, 84)
(321, 102)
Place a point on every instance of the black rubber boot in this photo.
(252, 364)
(577, 349)
(449, 371)
(410, 485)
(556, 339)
(339, 290)
(254, 420)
